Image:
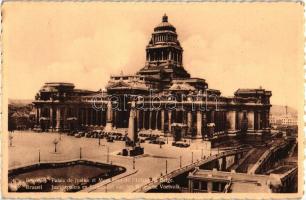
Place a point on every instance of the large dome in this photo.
(165, 25)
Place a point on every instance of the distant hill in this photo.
(20, 102)
(281, 110)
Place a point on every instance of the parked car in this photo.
(159, 141)
(180, 144)
(71, 133)
(81, 133)
(88, 134)
(77, 135)
(110, 139)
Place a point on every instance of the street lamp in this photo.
(11, 140)
(99, 140)
(166, 166)
(80, 153)
(133, 162)
(107, 156)
(55, 142)
(180, 161)
(38, 155)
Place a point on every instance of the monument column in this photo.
(132, 133)
(109, 117)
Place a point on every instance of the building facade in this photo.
(163, 97)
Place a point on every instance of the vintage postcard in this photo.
(152, 100)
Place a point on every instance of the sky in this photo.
(231, 45)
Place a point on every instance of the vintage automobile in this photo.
(180, 144)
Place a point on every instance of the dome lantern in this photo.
(165, 18)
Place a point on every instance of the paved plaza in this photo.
(26, 147)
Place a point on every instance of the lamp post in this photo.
(55, 142)
(107, 155)
(99, 140)
(11, 140)
(180, 161)
(133, 162)
(80, 153)
(38, 155)
(166, 166)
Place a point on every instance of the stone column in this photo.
(169, 120)
(199, 124)
(189, 122)
(156, 119)
(132, 122)
(109, 117)
(82, 116)
(150, 119)
(250, 120)
(212, 116)
(267, 119)
(65, 118)
(38, 115)
(77, 115)
(240, 117)
(259, 121)
(231, 120)
(209, 186)
(51, 118)
(92, 112)
(138, 118)
(103, 117)
(162, 122)
(190, 185)
(86, 116)
(143, 119)
(204, 123)
(97, 117)
(58, 118)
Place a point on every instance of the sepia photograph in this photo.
(152, 100)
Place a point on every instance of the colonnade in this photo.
(196, 121)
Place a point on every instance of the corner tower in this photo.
(164, 55)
